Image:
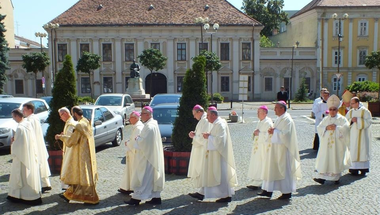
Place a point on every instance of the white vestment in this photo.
(260, 143)
(129, 169)
(24, 180)
(67, 131)
(319, 110)
(360, 137)
(198, 150)
(282, 165)
(149, 178)
(43, 154)
(333, 154)
(219, 171)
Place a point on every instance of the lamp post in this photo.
(335, 17)
(52, 26)
(291, 74)
(40, 35)
(207, 28)
(200, 20)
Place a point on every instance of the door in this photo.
(159, 84)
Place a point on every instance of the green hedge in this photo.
(363, 86)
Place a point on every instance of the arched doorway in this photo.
(159, 84)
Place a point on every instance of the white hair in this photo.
(64, 109)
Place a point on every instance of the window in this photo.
(224, 51)
(308, 83)
(335, 54)
(287, 83)
(98, 115)
(268, 82)
(39, 107)
(126, 83)
(107, 52)
(336, 29)
(62, 52)
(337, 84)
(363, 28)
(246, 51)
(155, 46)
(225, 83)
(362, 55)
(203, 46)
(106, 113)
(84, 47)
(39, 86)
(107, 85)
(129, 51)
(85, 86)
(179, 83)
(181, 51)
(249, 83)
(19, 85)
(361, 77)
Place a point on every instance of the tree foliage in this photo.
(3, 54)
(373, 61)
(193, 92)
(301, 94)
(265, 42)
(363, 86)
(268, 12)
(88, 63)
(35, 62)
(64, 95)
(212, 61)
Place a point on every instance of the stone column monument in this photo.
(135, 87)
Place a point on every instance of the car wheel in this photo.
(118, 138)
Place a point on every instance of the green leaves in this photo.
(373, 60)
(3, 54)
(35, 62)
(212, 61)
(152, 59)
(88, 62)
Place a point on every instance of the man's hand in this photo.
(256, 132)
(331, 127)
(57, 136)
(270, 130)
(354, 119)
(191, 134)
(206, 135)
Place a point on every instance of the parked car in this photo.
(8, 125)
(165, 114)
(5, 96)
(165, 98)
(107, 126)
(47, 99)
(121, 104)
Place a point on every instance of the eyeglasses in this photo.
(333, 109)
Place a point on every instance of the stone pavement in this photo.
(355, 195)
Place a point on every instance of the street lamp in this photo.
(291, 73)
(200, 20)
(40, 35)
(52, 26)
(335, 17)
(207, 28)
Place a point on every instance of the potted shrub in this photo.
(373, 61)
(64, 95)
(193, 92)
(234, 117)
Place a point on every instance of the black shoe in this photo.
(223, 200)
(63, 197)
(354, 171)
(285, 196)
(22, 201)
(133, 202)
(265, 193)
(319, 180)
(154, 201)
(253, 187)
(44, 189)
(197, 196)
(363, 172)
(336, 182)
(125, 191)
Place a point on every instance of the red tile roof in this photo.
(165, 12)
(337, 3)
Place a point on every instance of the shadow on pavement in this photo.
(5, 151)
(4, 178)
(103, 147)
(260, 205)
(308, 154)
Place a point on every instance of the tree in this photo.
(212, 64)
(301, 94)
(154, 61)
(35, 62)
(268, 12)
(193, 92)
(3, 54)
(373, 61)
(265, 42)
(64, 95)
(88, 63)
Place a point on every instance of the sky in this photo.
(30, 16)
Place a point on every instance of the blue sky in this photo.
(30, 16)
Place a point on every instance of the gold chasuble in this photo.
(82, 175)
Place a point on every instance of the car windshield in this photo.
(109, 101)
(165, 115)
(165, 99)
(6, 109)
(87, 113)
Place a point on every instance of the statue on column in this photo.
(135, 69)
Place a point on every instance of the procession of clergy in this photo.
(342, 140)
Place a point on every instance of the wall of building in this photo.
(7, 9)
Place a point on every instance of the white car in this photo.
(8, 125)
(121, 104)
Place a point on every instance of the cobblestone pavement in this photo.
(356, 195)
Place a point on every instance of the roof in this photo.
(27, 41)
(151, 12)
(337, 3)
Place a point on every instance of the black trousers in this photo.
(316, 142)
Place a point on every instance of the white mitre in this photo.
(333, 101)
